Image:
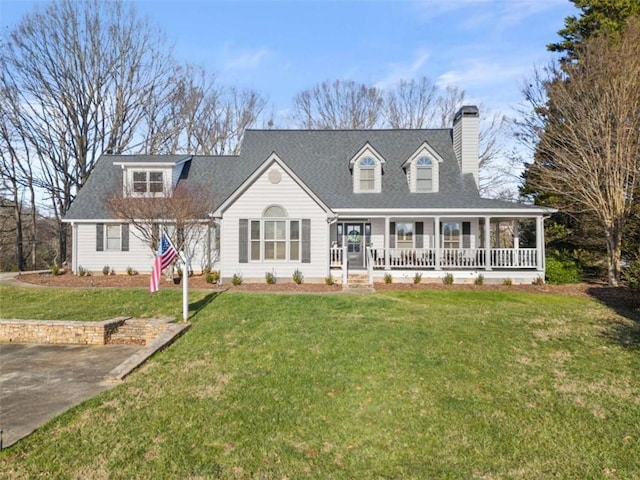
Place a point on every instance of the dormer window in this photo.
(424, 174)
(423, 170)
(367, 174)
(147, 182)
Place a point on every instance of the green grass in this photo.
(93, 304)
(418, 384)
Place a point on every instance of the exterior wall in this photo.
(139, 256)
(251, 205)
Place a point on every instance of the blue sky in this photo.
(486, 47)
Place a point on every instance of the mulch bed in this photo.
(622, 297)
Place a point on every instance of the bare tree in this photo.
(341, 104)
(200, 116)
(584, 122)
(84, 71)
(185, 211)
(411, 104)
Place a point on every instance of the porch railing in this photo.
(336, 257)
(514, 258)
(449, 258)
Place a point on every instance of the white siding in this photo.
(139, 256)
(466, 144)
(250, 205)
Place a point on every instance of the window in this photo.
(274, 237)
(112, 237)
(148, 182)
(451, 235)
(367, 174)
(424, 174)
(404, 235)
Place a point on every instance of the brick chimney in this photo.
(466, 130)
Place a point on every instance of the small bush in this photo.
(112, 272)
(538, 281)
(329, 280)
(507, 282)
(212, 276)
(106, 270)
(631, 274)
(562, 269)
(270, 278)
(131, 271)
(83, 272)
(417, 278)
(297, 276)
(479, 280)
(55, 269)
(236, 279)
(388, 278)
(448, 279)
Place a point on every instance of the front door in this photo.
(355, 243)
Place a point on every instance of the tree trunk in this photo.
(613, 237)
(19, 234)
(62, 241)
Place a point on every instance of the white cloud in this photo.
(404, 70)
(244, 59)
(481, 73)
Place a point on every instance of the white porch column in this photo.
(540, 243)
(516, 244)
(487, 243)
(436, 241)
(386, 243)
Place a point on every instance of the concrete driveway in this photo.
(38, 382)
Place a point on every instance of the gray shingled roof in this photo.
(320, 158)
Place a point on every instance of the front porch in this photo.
(465, 247)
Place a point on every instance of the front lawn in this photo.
(413, 384)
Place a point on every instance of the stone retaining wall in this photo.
(59, 332)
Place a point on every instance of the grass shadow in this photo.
(196, 307)
(626, 303)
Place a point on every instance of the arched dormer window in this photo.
(367, 167)
(424, 174)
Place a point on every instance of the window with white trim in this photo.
(424, 174)
(404, 235)
(367, 168)
(451, 235)
(275, 236)
(148, 182)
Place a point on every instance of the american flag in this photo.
(166, 254)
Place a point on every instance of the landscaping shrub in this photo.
(212, 276)
(479, 280)
(270, 278)
(131, 271)
(448, 279)
(55, 269)
(329, 280)
(388, 278)
(562, 269)
(83, 272)
(417, 278)
(106, 269)
(538, 281)
(507, 282)
(297, 276)
(236, 279)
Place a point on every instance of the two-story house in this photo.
(324, 202)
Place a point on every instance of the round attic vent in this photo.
(275, 176)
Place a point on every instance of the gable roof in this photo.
(319, 158)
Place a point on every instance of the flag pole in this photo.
(185, 287)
